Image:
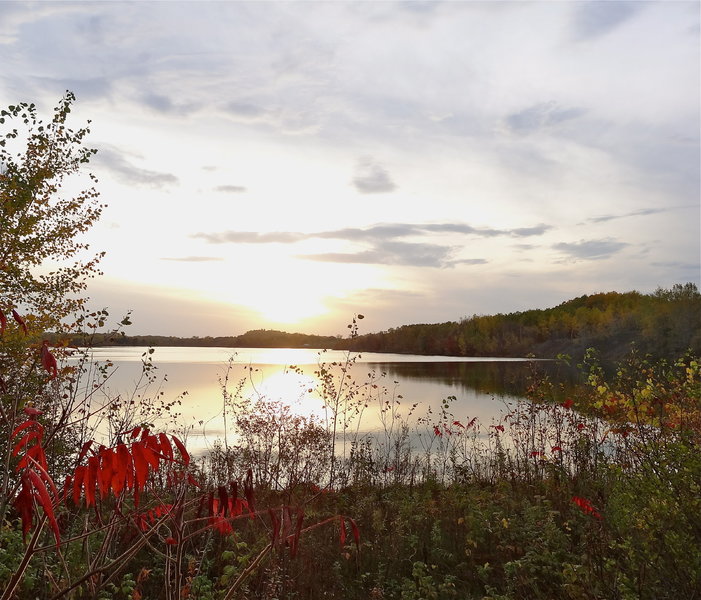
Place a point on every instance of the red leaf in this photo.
(107, 460)
(84, 450)
(166, 448)
(181, 448)
(48, 360)
(140, 465)
(355, 531)
(27, 423)
(3, 322)
(459, 424)
(24, 441)
(124, 471)
(32, 412)
(437, 431)
(24, 503)
(78, 479)
(585, 506)
(223, 500)
(42, 496)
(20, 320)
(171, 541)
(343, 532)
(90, 480)
(297, 533)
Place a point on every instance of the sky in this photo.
(287, 165)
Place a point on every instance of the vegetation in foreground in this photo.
(593, 496)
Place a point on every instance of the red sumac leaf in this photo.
(20, 320)
(42, 496)
(48, 360)
(140, 465)
(181, 448)
(355, 531)
(3, 322)
(84, 450)
(78, 483)
(90, 480)
(342, 536)
(166, 448)
(23, 426)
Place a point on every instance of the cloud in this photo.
(372, 178)
(595, 19)
(590, 249)
(530, 231)
(193, 258)
(112, 160)
(392, 253)
(230, 189)
(541, 116)
(374, 233)
(635, 213)
(164, 104)
(250, 237)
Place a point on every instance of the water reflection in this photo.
(482, 388)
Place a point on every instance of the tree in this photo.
(41, 271)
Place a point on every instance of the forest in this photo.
(662, 324)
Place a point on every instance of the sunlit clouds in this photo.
(289, 164)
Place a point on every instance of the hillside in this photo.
(664, 324)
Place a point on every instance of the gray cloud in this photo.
(541, 116)
(230, 189)
(372, 178)
(193, 258)
(375, 233)
(530, 231)
(635, 213)
(392, 253)
(594, 19)
(164, 104)
(590, 249)
(113, 161)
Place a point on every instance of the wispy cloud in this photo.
(230, 189)
(590, 249)
(594, 19)
(193, 258)
(541, 116)
(635, 213)
(372, 178)
(112, 160)
(369, 234)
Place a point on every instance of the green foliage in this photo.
(39, 226)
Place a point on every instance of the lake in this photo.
(412, 386)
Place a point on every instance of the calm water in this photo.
(482, 387)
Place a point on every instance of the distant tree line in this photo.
(663, 324)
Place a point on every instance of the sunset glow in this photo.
(287, 165)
